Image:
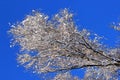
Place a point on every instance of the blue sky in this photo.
(95, 15)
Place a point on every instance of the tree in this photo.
(57, 46)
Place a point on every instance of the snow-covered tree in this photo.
(56, 46)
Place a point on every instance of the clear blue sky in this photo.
(95, 15)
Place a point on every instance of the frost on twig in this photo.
(61, 47)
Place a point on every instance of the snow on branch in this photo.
(61, 47)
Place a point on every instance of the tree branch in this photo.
(84, 66)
